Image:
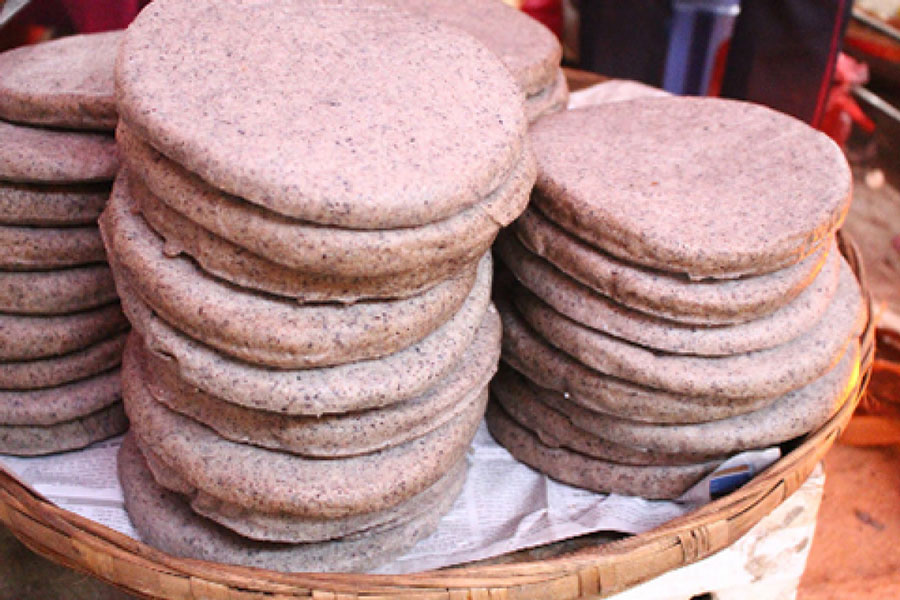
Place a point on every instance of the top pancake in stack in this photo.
(61, 329)
(301, 240)
(677, 281)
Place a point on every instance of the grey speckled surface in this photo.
(56, 292)
(66, 82)
(705, 186)
(27, 337)
(582, 304)
(551, 99)
(56, 370)
(663, 294)
(259, 328)
(29, 154)
(33, 440)
(36, 248)
(50, 406)
(44, 204)
(381, 133)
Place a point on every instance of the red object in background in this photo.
(548, 12)
(92, 17)
(841, 110)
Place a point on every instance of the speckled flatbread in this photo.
(528, 49)
(56, 292)
(794, 414)
(57, 370)
(666, 295)
(36, 248)
(49, 205)
(651, 482)
(165, 521)
(551, 99)
(521, 400)
(285, 528)
(459, 239)
(271, 481)
(380, 134)
(337, 435)
(66, 82)
(343, 388)
(704, 186)
(531, 355)
(33, 155)
(261, 329)
(769, 372)
(34, 440)
(67, 402)
(615, 90)
(27, 337)
(594, 310)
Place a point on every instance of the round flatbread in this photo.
(35, 248)
(57, 370)
(343, 388)
(164, 520)
(271, 481)
(650, 482)
(794, 414)
(285, 528)
(531, 355)
(67, 82)
(52, 205)
(769, 372)
(381, 134)
(521, 400)
(663, 294)
(261, 329)
(56, 292)
(34, 440)
(704, 186)
(336, 435)
(55, 405)
(594, 310)
(459, 239)
(27, 338)
(551, 99)
(33, 155)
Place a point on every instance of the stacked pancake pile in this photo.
(529, 50)
(677, 294)
(61, 329)
(301, 242)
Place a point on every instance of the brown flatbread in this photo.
(57, 370)
(551, 99)
(37, 248)
(55, 405)
(56, 292)
(34, 440)
(51, 205)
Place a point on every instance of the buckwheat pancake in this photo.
(615, 90)
(56, 292)
(531, 355)
(165, 521)
(382, 134)
(662, 294)
(703, 186)
(27, 337)
(769, 372)
(67, 402)
(459, 239)
(594, 310)
(555, 428)
(286, 528)
(327, 436)
(651, 481)
(57, 370)
(261, 329)
(794, 414)
(35, 248)
(49, 205)
(33, 155)
(343, 388)
(66, 82)
(33, 440)
(271, 481)
(553, 98)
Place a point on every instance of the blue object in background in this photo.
(700, 32)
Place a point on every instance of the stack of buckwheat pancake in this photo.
(61, 329)
(677, 294)
(529, 50)
(301, 242)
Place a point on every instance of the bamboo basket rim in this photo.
(86, 546)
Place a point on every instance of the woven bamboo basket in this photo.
(562, 571)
